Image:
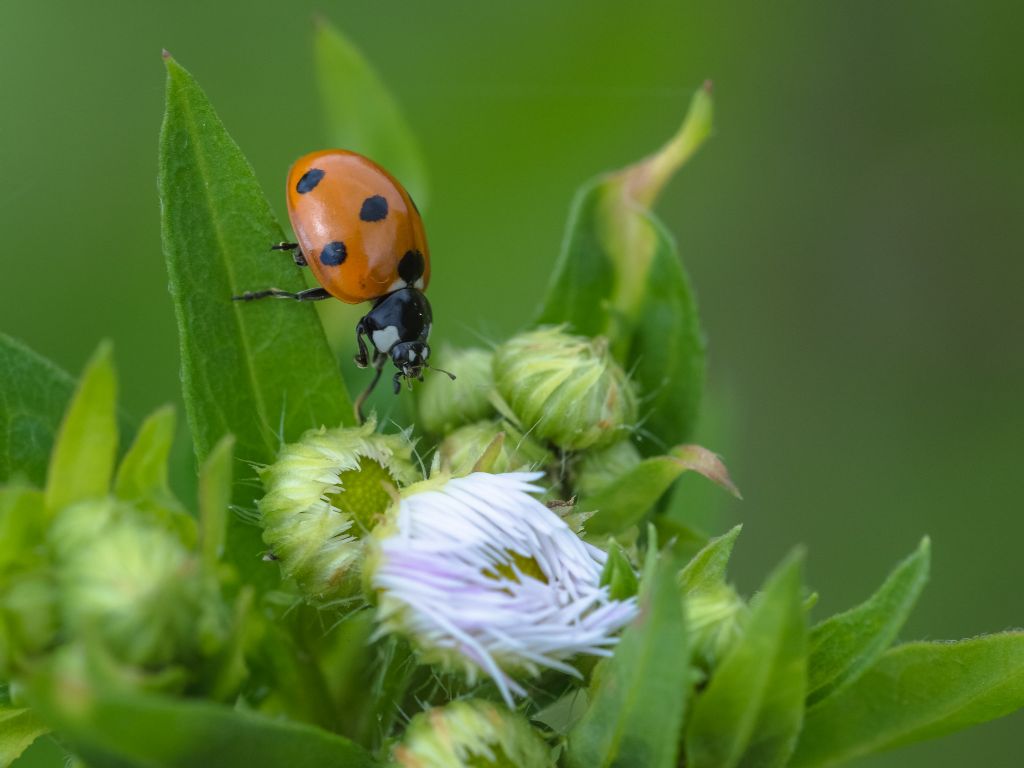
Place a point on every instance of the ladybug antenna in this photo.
(449, 374)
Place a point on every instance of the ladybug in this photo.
(361, 235)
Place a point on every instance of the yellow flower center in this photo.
(364, 494)
(527, 566)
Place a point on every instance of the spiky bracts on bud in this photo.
(463, 449)
(565, 388)
(471, 734)
(715, 617)
(484, 578)
(323, 496)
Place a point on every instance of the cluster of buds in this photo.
(481, 576)
(116, 577)
(469, 564)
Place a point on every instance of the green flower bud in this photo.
(444, 404)
(464, 447)
(564, 388)
(132, 583)
(28, 618)
(596, 469)
(323, 495)
(471, 734)
(715, 617)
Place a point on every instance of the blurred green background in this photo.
(854, 231)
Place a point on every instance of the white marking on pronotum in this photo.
(385, 338)
(397, 285)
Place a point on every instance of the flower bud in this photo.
(596, 469)
(471, 734)
(564, 388)
(715, 617)
(464, 447)
(323, 495)
(131, 582)
(443, 404)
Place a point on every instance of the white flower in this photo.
(483, 577)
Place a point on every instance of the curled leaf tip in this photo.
(165, 54)
(709, 86)
(708, 464)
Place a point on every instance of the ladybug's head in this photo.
(410, 358)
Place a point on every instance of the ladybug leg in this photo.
(396, 382)
(379, 359)
(310, 294)
(362, 360)
(297, 256)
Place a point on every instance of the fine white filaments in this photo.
(483, 577)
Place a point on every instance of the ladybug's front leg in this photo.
(362, 359)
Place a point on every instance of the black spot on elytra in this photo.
(333, 254)
(410, 268)
(309, 181)
(374, 209)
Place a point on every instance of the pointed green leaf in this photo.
(915, 692)
(18, 729)
(618, 574)
(114, 730)
(750, 713)
(640, 694)
(626, 500)
(142, 474)
(261, 371)
(707, 568)
(842, 647)
(362, 115)
(619, 275)
(34, 394)
(86, 447)
(214, 500)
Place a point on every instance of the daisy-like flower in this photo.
(484, 578)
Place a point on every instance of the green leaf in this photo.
(362, 115)
(707, 568)
(33, 396)
(626, 500)
(142, 475)
(639, 695)
(261, 371)
(22, 526)
(18, 729)
(842, 647)
(667, 354)
(618, 574)
(214, 499)
(619, 275)
(115, 730)
(750, 713)
(915, 692)
(86, 446)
